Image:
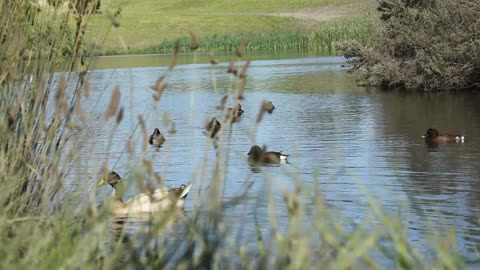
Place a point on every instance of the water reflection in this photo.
(352, 138)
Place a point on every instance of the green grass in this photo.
(323, 38)
(146, 24)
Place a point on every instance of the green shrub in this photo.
(428, 45)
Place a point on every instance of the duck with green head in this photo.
(260, 156)
(159, 199)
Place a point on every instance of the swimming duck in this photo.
(258, 155)
(160, 199)
(432, 135)
(233, 114)
(157, 138)
(213, 127)
(268, 107)
(237, 111)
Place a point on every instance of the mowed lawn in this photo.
(144, 23)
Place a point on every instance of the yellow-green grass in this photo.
(144, 24)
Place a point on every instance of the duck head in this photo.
(115, 181)
(255, 152)
(156, 131)
(431, 133)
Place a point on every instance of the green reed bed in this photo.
(47, 224)
(325, 37)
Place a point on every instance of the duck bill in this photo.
(102, 182)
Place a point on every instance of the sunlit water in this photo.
(346, 141)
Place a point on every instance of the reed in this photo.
(46, 224)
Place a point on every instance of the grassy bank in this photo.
(145, 26)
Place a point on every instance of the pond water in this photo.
(352, 140)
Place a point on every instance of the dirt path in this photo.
(326, 13)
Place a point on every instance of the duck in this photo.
(143, 203)
(157, 138)
(268, 106)
(213, 127)
(258, 155)
(432, 135)
(237, 111)
(233, 114)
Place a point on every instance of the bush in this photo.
(428, 45)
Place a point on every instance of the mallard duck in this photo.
(258, 155)
(157, 138)
(159, 199)
(213, 127)
(432, 135)
(268, 107)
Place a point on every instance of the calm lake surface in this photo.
(351, 140)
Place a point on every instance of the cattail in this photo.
(194, 44)
(119, 116)
(222, 104)
(114, 102)
(113, 19)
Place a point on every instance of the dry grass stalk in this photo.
(119, 116)
(114, 103)
(172, 129)
(143, 127)
(243, 46)
(243, 72)
(165, 119)
(223, 103)
(194, 44)
(60, 102)
(213, 59)
(113, 19)
(86, 86)
(176, 49)
(262, 111)
(241, 89)
(78, 107)
(231, 67)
